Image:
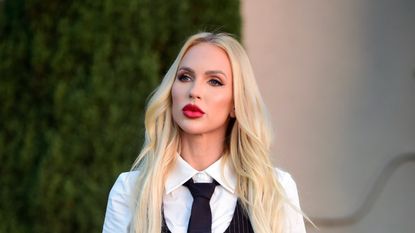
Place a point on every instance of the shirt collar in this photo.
(182, 172)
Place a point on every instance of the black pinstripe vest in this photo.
(239, 224)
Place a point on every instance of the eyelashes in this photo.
(215, 81)
(184, 78)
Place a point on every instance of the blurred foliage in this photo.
(74, 78)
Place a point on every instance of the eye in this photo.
(215, 82)
(184, 77)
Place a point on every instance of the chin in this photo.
(191, 131)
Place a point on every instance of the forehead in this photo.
(206, 56)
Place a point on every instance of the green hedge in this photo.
(74, 78)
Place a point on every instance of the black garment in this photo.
(240, 222)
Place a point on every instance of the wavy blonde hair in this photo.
(247, 146)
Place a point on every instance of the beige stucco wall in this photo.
(338, 77)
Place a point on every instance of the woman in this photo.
(206, 125)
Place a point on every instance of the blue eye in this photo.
(184, 77)
(215, 82)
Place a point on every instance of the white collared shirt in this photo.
(177, 199)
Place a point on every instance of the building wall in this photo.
(339, 80)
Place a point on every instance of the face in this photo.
(202, 97)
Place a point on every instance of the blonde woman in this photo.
(206, 129)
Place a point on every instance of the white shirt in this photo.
(177, 199)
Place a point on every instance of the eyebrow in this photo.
(209, 72)
(187, 69)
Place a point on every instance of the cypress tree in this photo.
(74, 79)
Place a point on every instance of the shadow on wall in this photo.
(371, 197)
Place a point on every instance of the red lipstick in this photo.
(192, 111)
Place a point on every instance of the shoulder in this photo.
(125, 183)
(125, 188)
(294, 220)
(287, 183)
(120, 206)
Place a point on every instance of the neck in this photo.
(201, 151)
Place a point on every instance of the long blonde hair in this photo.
(248, 143)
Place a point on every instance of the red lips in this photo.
(192, 111)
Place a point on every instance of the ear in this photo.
(232, 113)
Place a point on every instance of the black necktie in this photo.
(201, 215)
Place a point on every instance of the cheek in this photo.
(175, 93)
(177, 99)
(224, 102)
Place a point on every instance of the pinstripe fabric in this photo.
(239, 224)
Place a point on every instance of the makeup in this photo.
(192, 111)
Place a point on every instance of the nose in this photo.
(195, 91)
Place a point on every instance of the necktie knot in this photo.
(201, 190)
